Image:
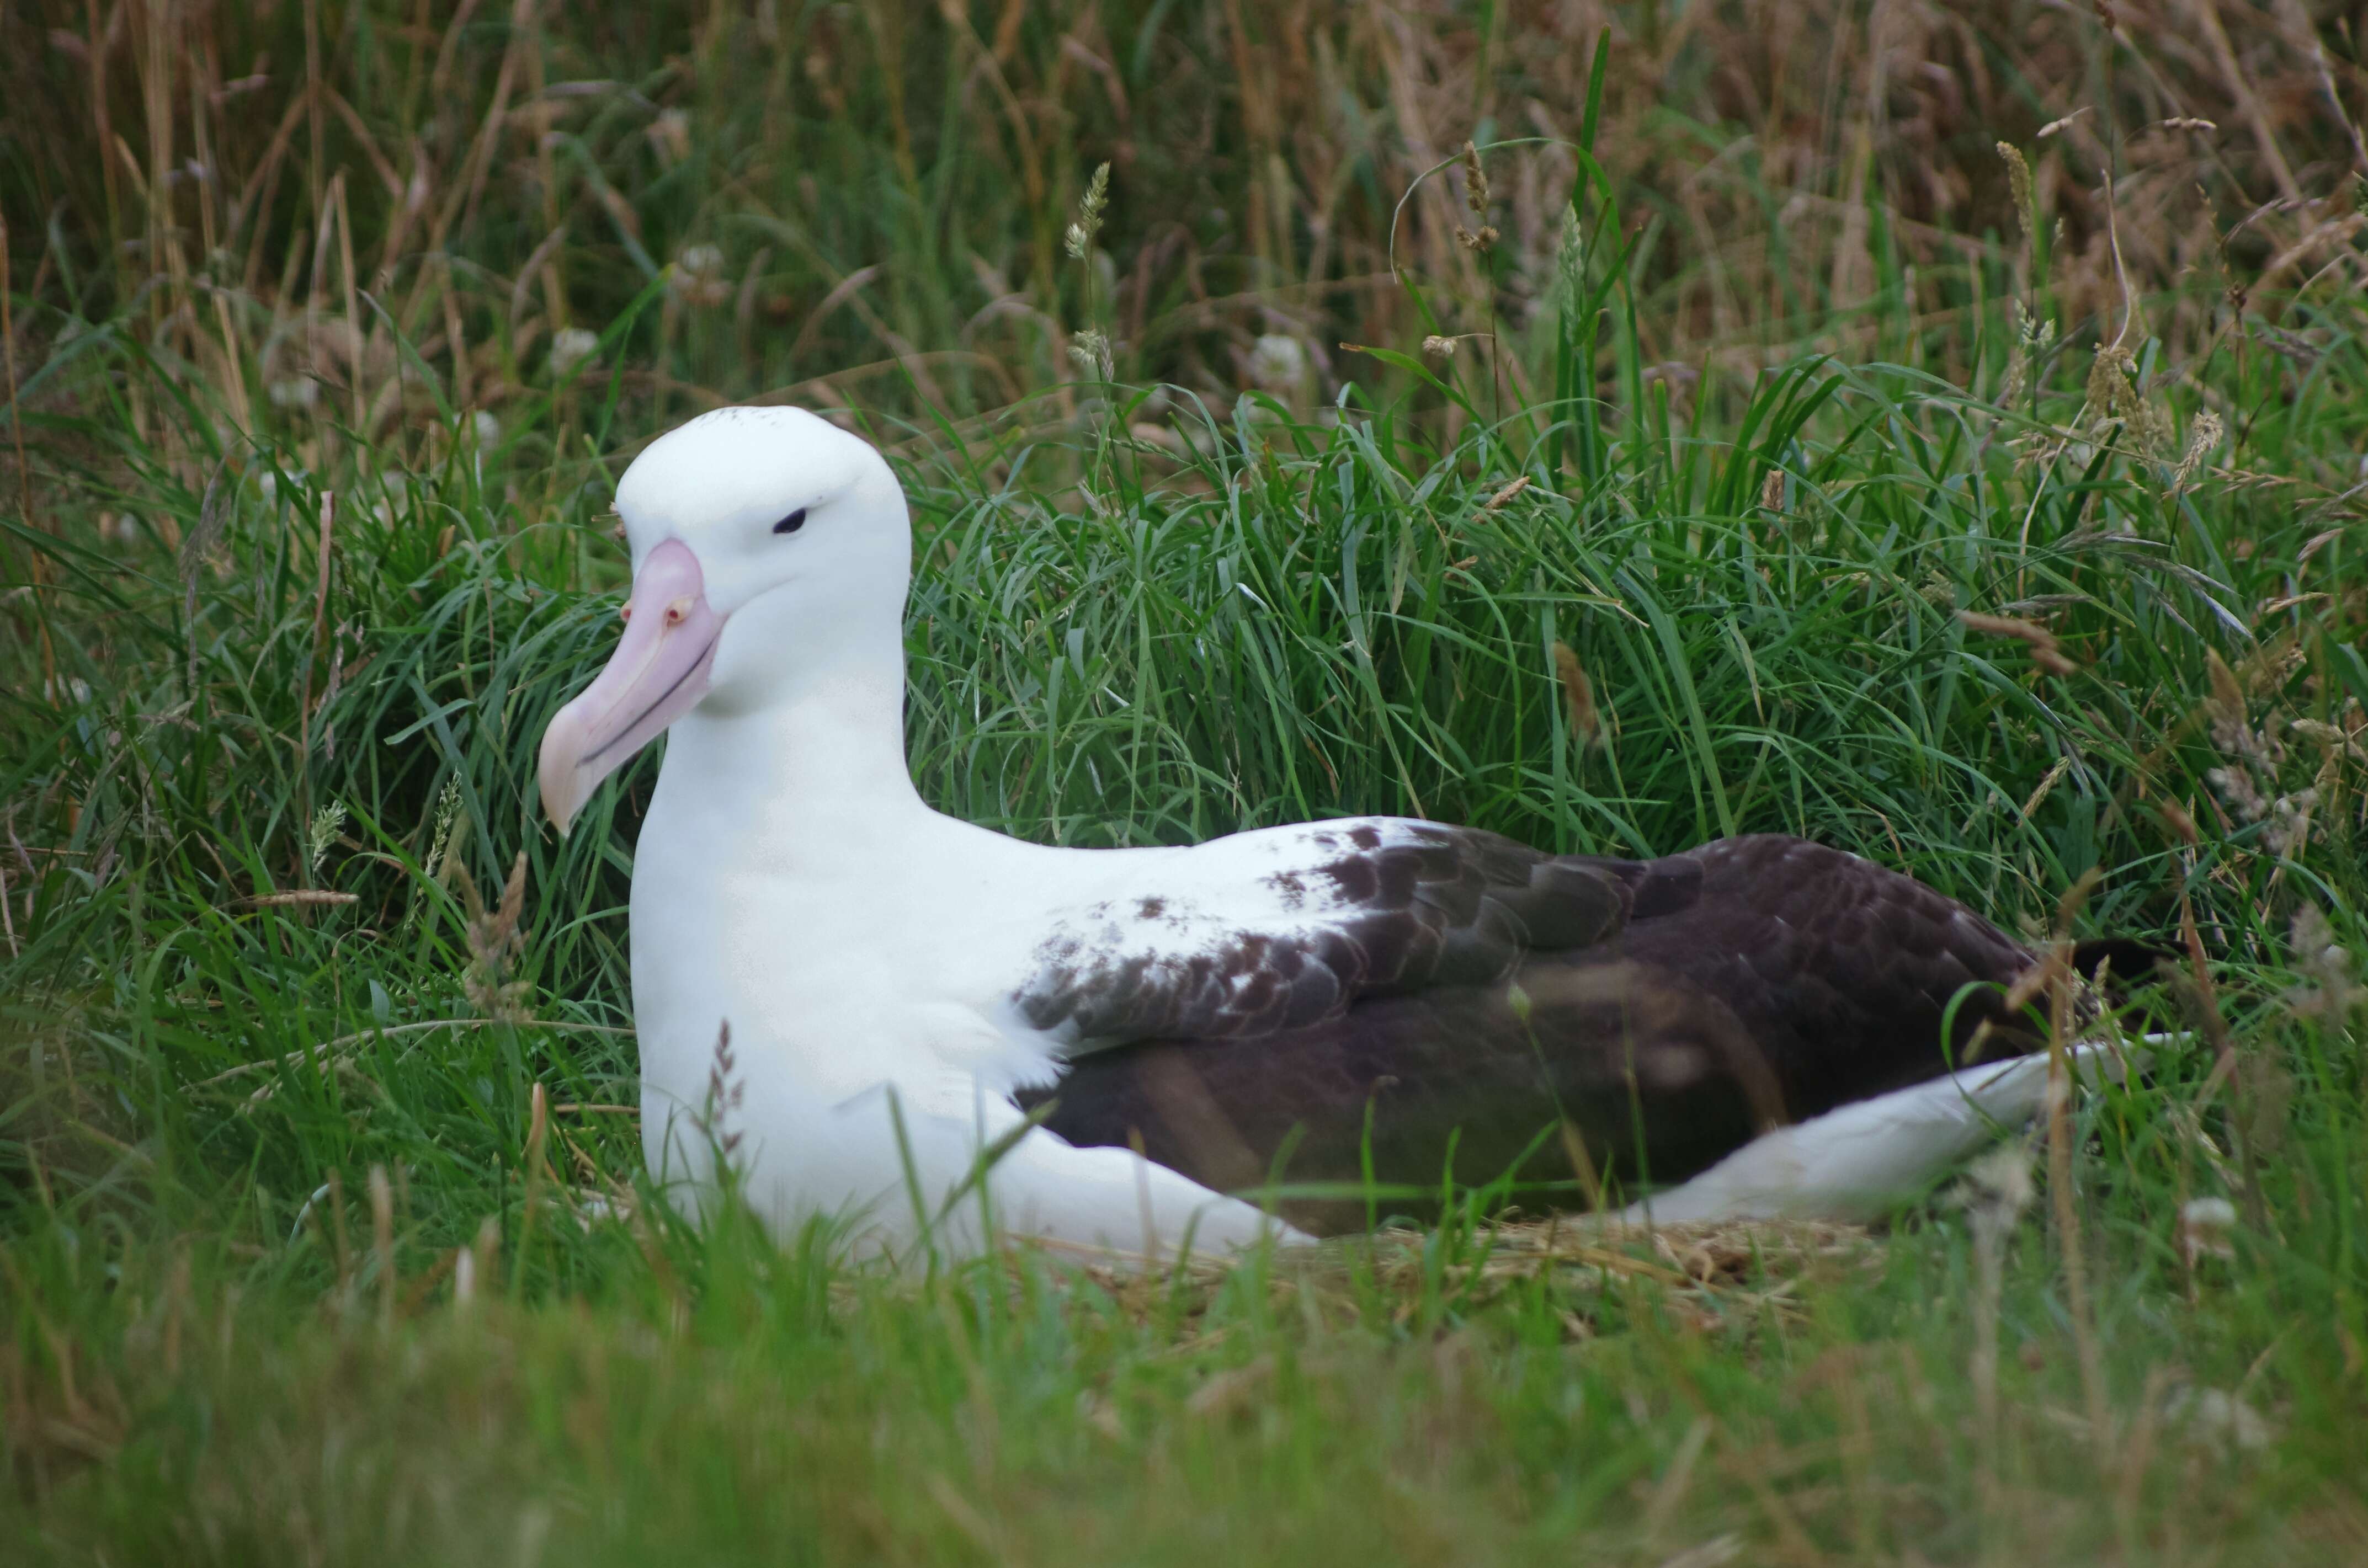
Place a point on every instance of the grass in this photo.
(296, 1136)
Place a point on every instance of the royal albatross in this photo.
(1371, 995)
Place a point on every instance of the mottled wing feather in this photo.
(1751, 982)
(1270, 931)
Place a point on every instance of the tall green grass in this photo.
(257, 1120)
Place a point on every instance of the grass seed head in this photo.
(1577, 696)
(2110, 394)
(439, 844)
(1080, 237)
(2331, 991)
(496, 939)
(2150, 427)
(2238, 791)
(2034, 336)
(2291, 824)
(2227, 704)
(2017, 178)
(1090, 351)
(1570, 261)
(326, 823)
(2203, 437)
(1482, 237)
(2044, 650)
(725, 1089)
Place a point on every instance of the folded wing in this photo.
(1275, 930)
(1398, 998)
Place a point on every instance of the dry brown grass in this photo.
(268, 194)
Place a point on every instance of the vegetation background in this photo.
(1939, 430)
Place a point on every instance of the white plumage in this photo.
(1862, 1161)
(892, 977)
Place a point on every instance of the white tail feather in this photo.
(1865, 1160)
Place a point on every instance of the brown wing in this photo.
(1336, 913)
(1755, 980)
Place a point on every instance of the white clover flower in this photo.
(571, 347)
(1278, 363)
(2220, 1422)
(670, 134)
(698, 276)
(2205, 1225)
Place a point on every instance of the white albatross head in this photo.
(771, 552)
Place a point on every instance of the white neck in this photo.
(825, 753)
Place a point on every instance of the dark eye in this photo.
(791, 523)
